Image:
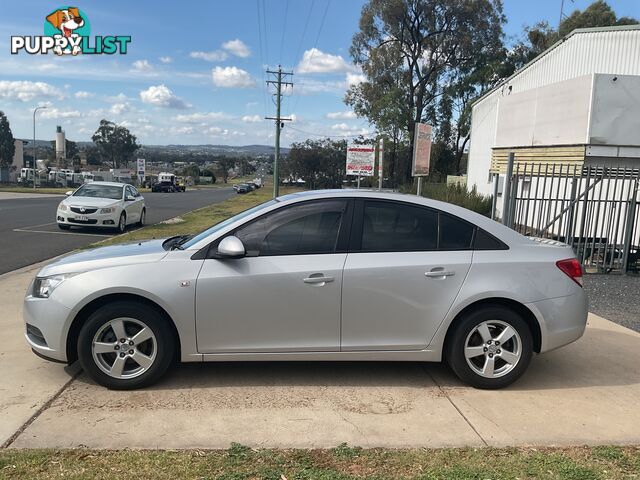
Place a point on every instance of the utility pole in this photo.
(278, 76)
(34, 145)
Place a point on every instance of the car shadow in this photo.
(603, 358)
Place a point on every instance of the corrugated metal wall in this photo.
(614, 51)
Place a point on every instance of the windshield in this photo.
(224, 223)
(99, 191)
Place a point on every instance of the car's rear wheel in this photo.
(490, 347)
(62, 226)
(125, 345)
(122, 223)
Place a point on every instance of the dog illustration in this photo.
(66, 20)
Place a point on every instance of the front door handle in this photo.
(317, 279)
(439, 272)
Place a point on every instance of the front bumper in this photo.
(107, 220)
(46, 326)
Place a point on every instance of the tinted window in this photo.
(307, 228)
(455, 234)
(485, 241)
(99, 191)
(394, 227)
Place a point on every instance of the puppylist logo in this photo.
(67, 32)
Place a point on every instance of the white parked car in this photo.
(102, 204)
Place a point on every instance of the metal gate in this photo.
(593, 208)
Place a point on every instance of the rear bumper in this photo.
(562, 320)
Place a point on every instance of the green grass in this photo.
(16, 189)
(196, 220)
(342, 462)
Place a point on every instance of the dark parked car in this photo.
(243, 188)
(164, 187)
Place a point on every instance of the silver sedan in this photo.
(324, 275)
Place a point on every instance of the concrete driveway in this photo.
(586, 393)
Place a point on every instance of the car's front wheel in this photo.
(122, 223)
(490, 347)
(143, 217)
(125, 345)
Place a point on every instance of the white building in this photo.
(578, 102)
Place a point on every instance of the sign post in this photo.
(141, 169)
(421, 153)
(361, 160)
(380, 163)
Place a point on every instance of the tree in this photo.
(226, 164)
(409, 50)
(116, 144)
(7, 142)
(320, 163)
(541, 36)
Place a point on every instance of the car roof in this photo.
(109, 184)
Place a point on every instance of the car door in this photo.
(284, 295)
(402, 274)
(131, 206)
(139, 201)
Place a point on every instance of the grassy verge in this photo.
(197, 220)
(342, 462)
(60, 191)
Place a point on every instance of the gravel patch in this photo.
(615, 297)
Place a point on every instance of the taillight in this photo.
(572, 268)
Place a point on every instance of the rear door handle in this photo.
(439, 272)
(317, 279)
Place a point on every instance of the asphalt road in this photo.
(29, 234)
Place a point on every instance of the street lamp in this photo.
(34, 144)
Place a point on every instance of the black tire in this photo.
(143, 215)
(122, 223)
(62, 226)
(466, 328)
(165, 344)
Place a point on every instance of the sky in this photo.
(194, 72)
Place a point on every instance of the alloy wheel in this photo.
(124, 348)
(493, 348)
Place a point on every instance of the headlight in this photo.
(108, 210)
(44, 286)
(63, 207)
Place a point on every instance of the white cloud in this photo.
(55, 113)
(165, 59)
(199, 117)
(142, 66)
(185, 130)
(26, 91)
(119, 108)
(341, 115)
(355, 78)
(237, 47)
(119, 98)
(232, 77)
(340, 126)
(161, 96)
(83, 94)
(216, 131)
(213, 56)
(252, 118)
(316, 61)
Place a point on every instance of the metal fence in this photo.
(593, 208)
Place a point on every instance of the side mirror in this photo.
(231, 247)
(69, 193)
(129, 198)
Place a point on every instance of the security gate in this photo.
(593, 208)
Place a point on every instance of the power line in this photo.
(264, 95)
(313, 50)
(325, 135)
(304, 31)
(284, 28)
(266, 37)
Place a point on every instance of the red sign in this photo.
(421, 150)
(361, 160)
